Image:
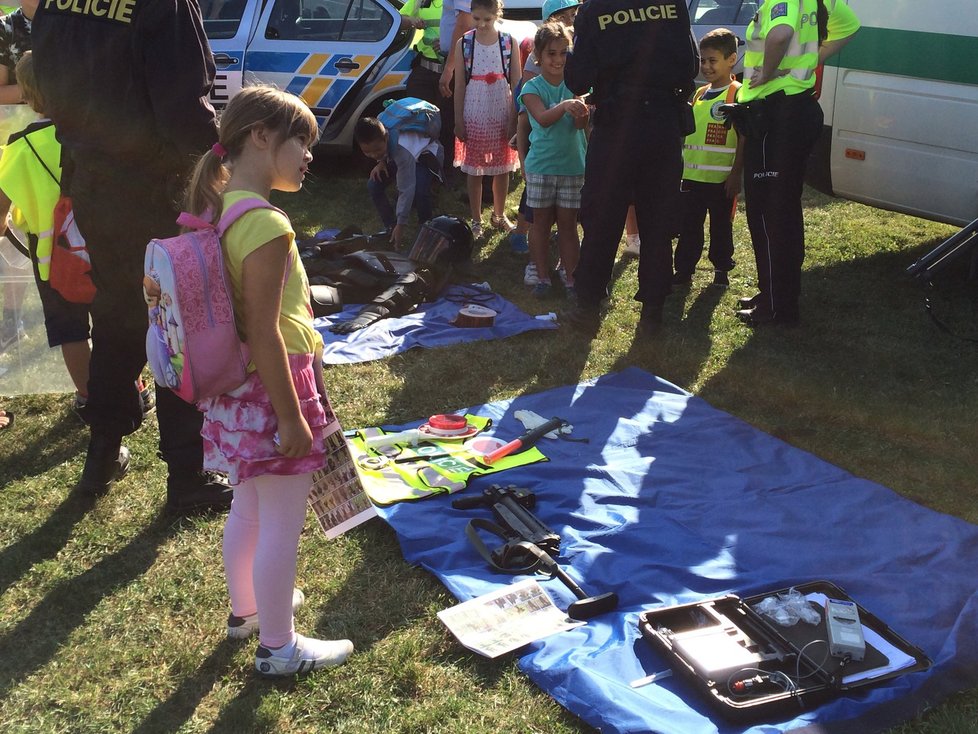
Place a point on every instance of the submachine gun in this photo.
(530, 546)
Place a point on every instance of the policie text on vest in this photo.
(635, 15)
(118, 10)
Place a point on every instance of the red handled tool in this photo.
(523, 442)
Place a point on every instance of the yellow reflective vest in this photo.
(430, 13)
(709, 151)
(30, 175)
(801, 58)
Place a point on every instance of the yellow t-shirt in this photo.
(252, 230)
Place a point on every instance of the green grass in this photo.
(111, 613)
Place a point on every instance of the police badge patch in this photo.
(779, 11)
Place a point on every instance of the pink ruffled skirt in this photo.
(240, 426)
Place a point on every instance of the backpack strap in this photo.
(27, 139)
(239, 208)
(468, 52)
(505, 52)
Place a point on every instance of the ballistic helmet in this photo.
(442, 241)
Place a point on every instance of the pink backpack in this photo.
(192, 344)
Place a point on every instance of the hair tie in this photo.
(219, 150)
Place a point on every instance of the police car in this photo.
(706, 15)
(343, 57)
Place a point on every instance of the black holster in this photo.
(749, 119)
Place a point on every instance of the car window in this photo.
(221, 17)
(722, 12)
(328, 20)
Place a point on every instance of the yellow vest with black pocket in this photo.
(709, 151)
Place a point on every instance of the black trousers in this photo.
(634, 156)
(774, 176)
(423, 84)
(698, 199)
(118, 211)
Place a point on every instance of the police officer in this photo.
(127, 84)
(785, 122)
(428, 65)
(640, 59)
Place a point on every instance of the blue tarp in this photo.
(430, 326)
(675, 501)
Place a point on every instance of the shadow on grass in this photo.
(35, 640)
(867, 380)
(45, 542)
(175, 711)
(63, 440)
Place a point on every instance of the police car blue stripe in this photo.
(329, 69)
(281, 62)
(335, 93)
(298, 85)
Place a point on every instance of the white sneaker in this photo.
(241, 628)
(632, 245)
(530, 276)
(305, 655)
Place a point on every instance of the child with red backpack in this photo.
(30, 182)
(487, 69)
(272, 432)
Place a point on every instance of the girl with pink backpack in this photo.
(273, 431)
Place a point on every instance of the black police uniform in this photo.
(640, 59)
(126, 83)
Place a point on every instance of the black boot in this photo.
(107, 461)
(201, 491)
(650, 322)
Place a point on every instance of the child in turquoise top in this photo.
(555, 161)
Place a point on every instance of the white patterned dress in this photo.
(488, 101)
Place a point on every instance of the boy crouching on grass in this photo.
(713, 162)
(412, 160)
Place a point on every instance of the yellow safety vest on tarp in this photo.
(801, 58)
(709, 151)
(30, 169)
(399, 473)
(431, 15)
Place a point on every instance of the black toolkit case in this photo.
(750, 668)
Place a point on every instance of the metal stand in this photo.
(937, 259)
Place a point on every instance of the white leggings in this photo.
(261, 540)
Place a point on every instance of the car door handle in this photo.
(222, 60)
(347, 64)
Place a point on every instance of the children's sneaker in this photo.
(530, 276)
(147, 397)
(518, 243)
(632, 245)
(562, 274)
(541, 290)
(720, 279)
(303, 656)
(241, 628)
(502, 223)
